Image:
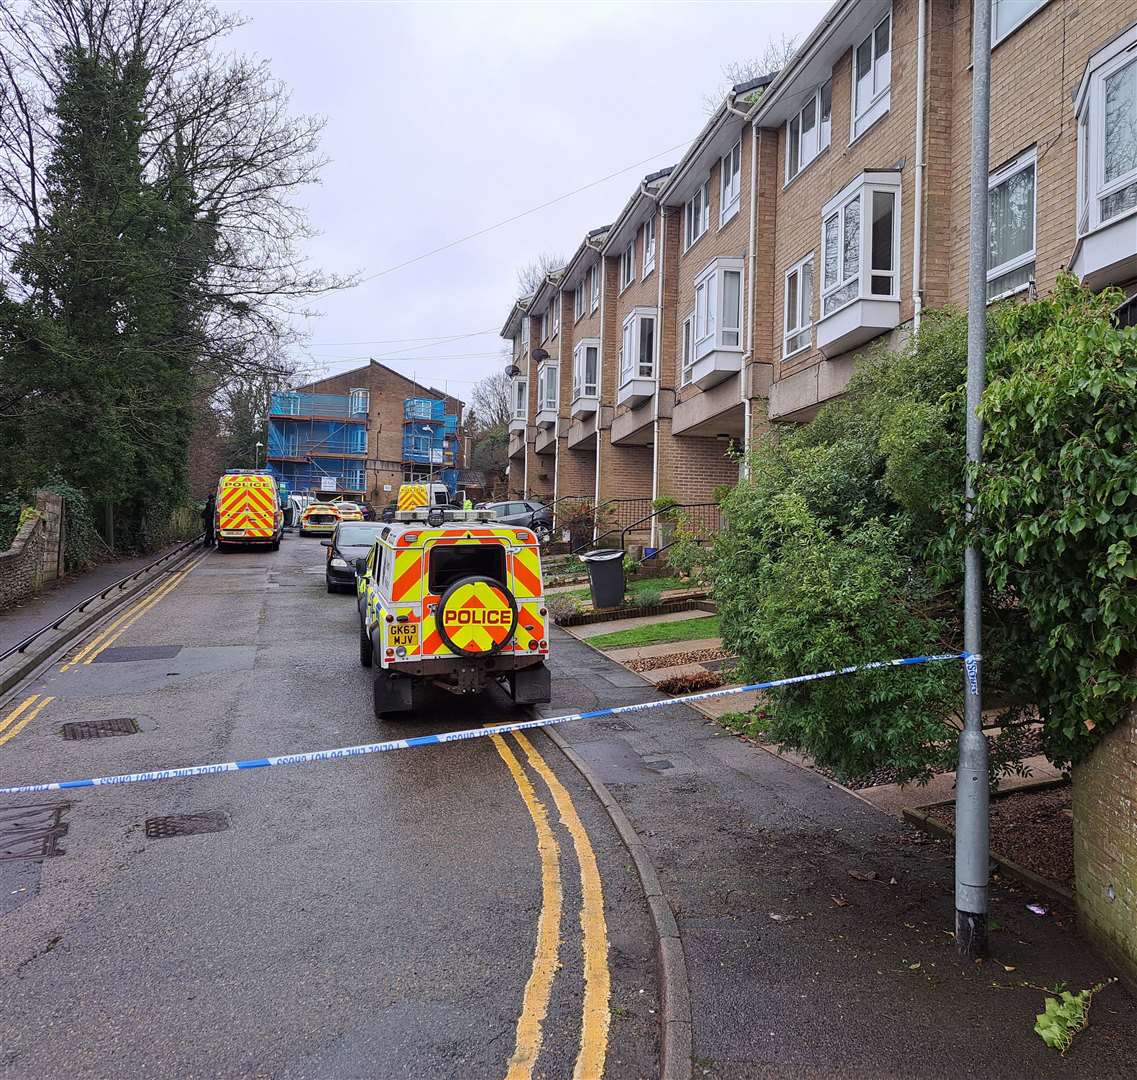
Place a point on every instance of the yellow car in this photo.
(319, 519)
(349, 511)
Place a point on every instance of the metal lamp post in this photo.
(257, 455)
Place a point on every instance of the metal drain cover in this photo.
(615, 725)
(100, 729)
(186, 824)
(31, 831)
(121, 654)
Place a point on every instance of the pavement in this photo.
(817, 930)
(60, 596)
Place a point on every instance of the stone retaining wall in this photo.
(21, 566)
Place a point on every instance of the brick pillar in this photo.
(1105, 847)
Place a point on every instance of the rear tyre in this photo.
(275, 545)
(366, 653)
(392, 696)
(222, 547)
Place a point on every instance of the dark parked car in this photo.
(352, 540)
(536, 515)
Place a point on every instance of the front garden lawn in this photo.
(706, 626)
(638, 586)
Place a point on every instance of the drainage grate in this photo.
(615, 725)
(31, 831)
(186, 824)
(121, 654)
(100, 729)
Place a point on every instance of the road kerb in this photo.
(675, 999)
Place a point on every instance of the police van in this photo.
(451, 597)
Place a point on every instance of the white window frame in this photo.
(1026, 160)
(594, 286)
(578, 301)
(649, 245)
(520, 398)
(581, 387)
(995, 36)
(860, 190)
(730, 183)
(799, 322)
(1089, 108)
(546, 322)
(687, 351)
(555, 306)
(548, 386)
(878, 104)
(711, 330)
(631, 364)
(628, 265)
(697, 215)
(822, 131)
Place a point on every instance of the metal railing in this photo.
(21, 646)
(705, 517)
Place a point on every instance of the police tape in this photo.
(970, 661)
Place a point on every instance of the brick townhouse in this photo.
(817, 215)
(385, 392)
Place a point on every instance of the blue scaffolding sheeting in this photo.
(302, 437)
(293, 403)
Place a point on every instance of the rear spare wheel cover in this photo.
(476, 616)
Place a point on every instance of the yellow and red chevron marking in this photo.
(527, 573)
(406, 581)
(250, 508)
(530, 627)
(412, 496)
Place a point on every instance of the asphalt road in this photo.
(421, 913)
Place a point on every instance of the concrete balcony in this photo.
(517, 442)
(517, 424)
(546, 418)
(856, 323)
(710, 413)
(635, 427)
(546, 442)
(582, 432)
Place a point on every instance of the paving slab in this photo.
(643, 652)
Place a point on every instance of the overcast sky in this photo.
(443, 119)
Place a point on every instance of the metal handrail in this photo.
(655, 513)
(120, 584)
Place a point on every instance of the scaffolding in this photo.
(430, 442)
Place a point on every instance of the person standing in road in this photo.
(207, 516)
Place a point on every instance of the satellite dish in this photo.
(512, 370)
(539, 355)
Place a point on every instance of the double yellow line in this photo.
(22, 715)
(594, 930)
(104, 640)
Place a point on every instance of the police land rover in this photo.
(451, 597)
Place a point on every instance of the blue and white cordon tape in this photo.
(970, 661)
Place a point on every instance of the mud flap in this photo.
(531, 686)
(392, 694)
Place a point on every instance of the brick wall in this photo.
(1105, 847)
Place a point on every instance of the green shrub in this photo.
(647, 597)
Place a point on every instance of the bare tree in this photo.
(214, 125)
(772, 59)
(490, 401)
(530, 276)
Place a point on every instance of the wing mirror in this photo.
(325, 543)
(361, 567)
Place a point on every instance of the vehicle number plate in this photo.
(405, 634)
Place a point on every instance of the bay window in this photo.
(637, 346)
(594, 286)
(519, 400)
(799, 308)
(810, 131)
(860, 262)
(1010, 227)
(872, 77)
(731, 182)
(586, 369)
(712, 333)
(548, 385)
(1006, 15)
(649, 246)
(697, 215)
(628, 265)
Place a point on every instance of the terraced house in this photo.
(820, 213)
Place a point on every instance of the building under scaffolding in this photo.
(317, 443)
(430, 442)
